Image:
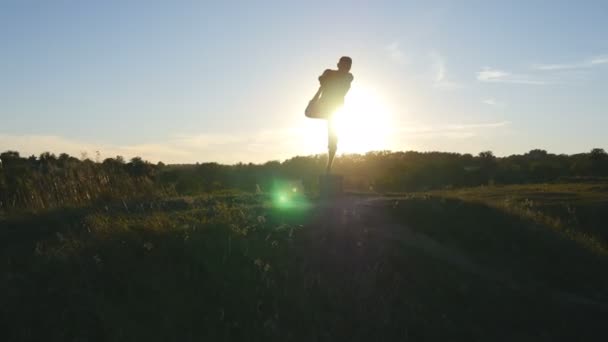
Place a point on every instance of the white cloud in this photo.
(182, 148)
(478, 125)
(36, 144)
(599, 60)
(492, 75)
(585, 64)
(551, 67)
(452, 131)
(541, 73)
(207, 139)
(396, 53)
(440, 79)
(492, 102)
(488, 74)
(439, 68)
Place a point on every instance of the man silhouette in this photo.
(334, 86)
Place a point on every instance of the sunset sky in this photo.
(196, 81)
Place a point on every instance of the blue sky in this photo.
(183, 81)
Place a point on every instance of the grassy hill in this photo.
(487, 263)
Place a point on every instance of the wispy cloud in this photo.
(440, 79)
(452, 131)
(493, 102)
(478, 125)
(540, 74)
(599, 60)
(584, 64)
(488, 74)
(182, 148)
(36, 144)
(395, 53)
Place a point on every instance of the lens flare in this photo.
(288, 195)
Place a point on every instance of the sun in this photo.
(364, 123)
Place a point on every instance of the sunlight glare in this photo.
(364, 123)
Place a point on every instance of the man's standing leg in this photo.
(332, 143)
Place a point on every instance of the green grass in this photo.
(245, 268)
(577, 210)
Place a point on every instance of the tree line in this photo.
(48, 181)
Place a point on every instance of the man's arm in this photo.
(350, 80)
(323, 78)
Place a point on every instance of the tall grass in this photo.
(42, 184)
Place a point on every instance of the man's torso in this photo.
(335, 84)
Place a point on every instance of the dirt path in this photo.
(368, 215)
(359, 222)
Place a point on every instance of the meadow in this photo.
(521, 262)
(422, 246)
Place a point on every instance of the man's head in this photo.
(345, 63)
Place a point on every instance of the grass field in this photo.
(525, 263)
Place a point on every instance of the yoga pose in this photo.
(330, 97)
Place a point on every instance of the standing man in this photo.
(334, 86)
